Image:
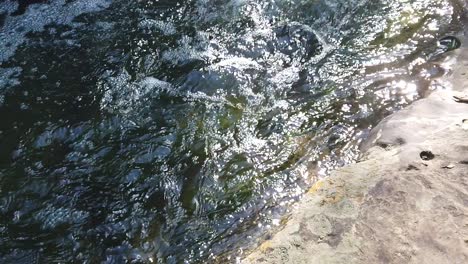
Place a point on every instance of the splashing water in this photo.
(176, 131)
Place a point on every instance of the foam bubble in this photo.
(167, 28)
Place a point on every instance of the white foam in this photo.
(121, 95)
(236, 62)
(167, 28)
(14, 31)
(190, 49)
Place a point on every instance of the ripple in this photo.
(171, 131)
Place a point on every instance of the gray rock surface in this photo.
(405, 202)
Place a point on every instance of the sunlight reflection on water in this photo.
(182, 130)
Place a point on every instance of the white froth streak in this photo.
(15, 28)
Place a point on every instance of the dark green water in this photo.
(179, 131)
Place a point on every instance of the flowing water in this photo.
(178, 131)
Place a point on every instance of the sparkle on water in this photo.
(179, 131)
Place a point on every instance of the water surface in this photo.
(178, 131)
